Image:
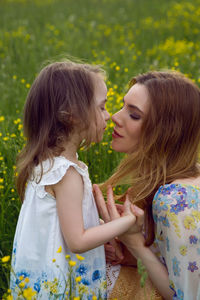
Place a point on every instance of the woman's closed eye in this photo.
(135, 116)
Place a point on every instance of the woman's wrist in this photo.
(135, 243)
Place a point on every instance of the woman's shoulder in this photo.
(179, 185)
(177, 197)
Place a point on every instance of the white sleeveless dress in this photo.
(42, 263)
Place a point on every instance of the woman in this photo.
(159, 129)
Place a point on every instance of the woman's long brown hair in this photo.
(61, 98)
(169, 142)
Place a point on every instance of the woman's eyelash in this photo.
(135, 116)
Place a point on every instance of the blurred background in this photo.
(126, 37)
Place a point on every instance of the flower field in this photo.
(126, 37)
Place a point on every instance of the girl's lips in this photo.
(115, 134)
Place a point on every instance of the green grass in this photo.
(126, 36)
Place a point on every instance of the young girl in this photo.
(65, 107)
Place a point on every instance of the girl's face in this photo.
(129, 119)
(102, 114)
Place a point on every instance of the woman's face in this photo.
(128, 121)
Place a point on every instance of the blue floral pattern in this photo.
(176, 213)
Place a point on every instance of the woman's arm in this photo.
(135, 243)
(69, 195)
(155, 269)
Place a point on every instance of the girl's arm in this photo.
(69, 195)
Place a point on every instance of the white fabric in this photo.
(38, 237)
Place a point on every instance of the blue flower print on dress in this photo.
(164, 221)
(193, 198)
(96, 275)
(179, 192)
(37, 286)
(161, 203)
(180, 294)
(85, 281)
(193, 239)
(180, 206)
(82, 269)
(166, 190)
(176, 268)
(22, 274)
(192, 266)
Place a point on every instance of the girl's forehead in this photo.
(100, 91)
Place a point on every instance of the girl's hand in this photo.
(109, 211)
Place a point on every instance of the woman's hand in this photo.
(111, 211)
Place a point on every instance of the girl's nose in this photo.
(107, 116)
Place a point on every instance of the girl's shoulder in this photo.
(52, 170)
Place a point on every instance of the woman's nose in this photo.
(116, 118)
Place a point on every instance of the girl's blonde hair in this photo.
(60, 100)
(169, 141)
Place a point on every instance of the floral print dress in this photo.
(176, 212)
(42, 265)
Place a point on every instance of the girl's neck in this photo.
(70, 152)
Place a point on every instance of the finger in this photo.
(101, 221)
(111, 204)
(139, 213)
(120, 208)
(127, 205)
(100, 202)
(118, 249)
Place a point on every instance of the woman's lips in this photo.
(115, 134)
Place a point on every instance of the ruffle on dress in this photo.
(53, 172)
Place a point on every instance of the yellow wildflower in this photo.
(26, 279)
(94, 297)
(59, 250)
(28, 293)
(28, 85)
(2, 118)
(183, 250)
(22, 80)
(76, 298)
(80, 257)
(53, 260)
(78, 279)
(67, 256)
(5, 259)
(196, 215)
(72, 263)
(189, 222)
(21, 277)
(9, 297)
(22, 284)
